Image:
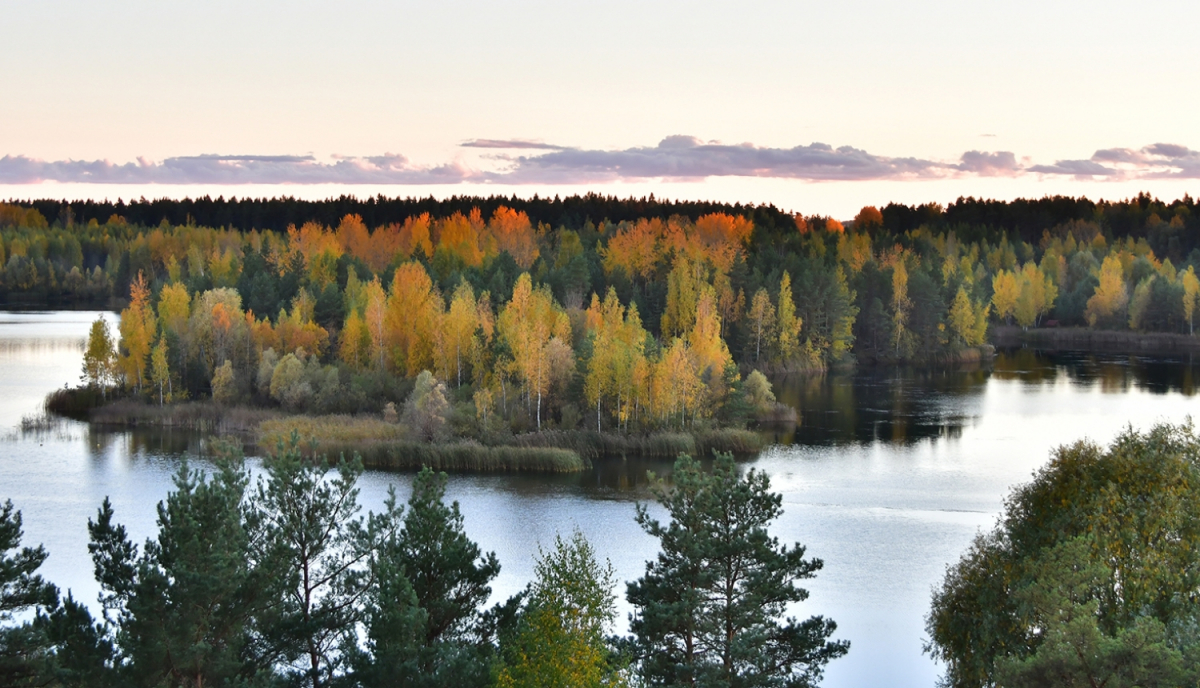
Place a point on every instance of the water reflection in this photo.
(895, 405)
(908, 405)
(1110, 373)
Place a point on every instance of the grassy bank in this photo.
(1106, 341)
(385, 445)
(388, 445)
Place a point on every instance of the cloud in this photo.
(676, 157)
(687, 157)
(999, 164)
(234, 169)
(1077, 168)
(510, 144)
(1156, 161)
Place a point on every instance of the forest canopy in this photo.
(634, 314)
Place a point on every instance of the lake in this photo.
(888, 477)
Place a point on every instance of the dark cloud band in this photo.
(674, 158)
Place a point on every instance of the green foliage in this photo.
(184, 610)
(317, 547)
(709, 608)
(22, 646)
(560, 639)
(1099, 555)
(424, 624)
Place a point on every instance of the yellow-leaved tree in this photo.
(968, 320)
(787, 323)
(413, 307)
(457, 331)
(138, 328)
(536, 329)
(1191, 288)
(1005, 292)
(1111, 295)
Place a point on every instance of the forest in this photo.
(478, 315)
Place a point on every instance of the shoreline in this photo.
(385, 445)
(1098, 341)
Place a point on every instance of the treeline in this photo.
(634, 324)
(286, 583)
(277, 214)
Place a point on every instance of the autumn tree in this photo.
(618, 353)
(138, 327)
(761, 320)
(1037, 295)
(1006, 289)
(514, 233)
(458, 236)
(1111, 294)
(412, 310)
(457, 331)
(354, 238)
(901, 305)
(684, 284)
(354, 341)
(636, 248)
(869, 217)
(709, 352)
(99, 358)
(529, 324)
(160, 370)
(376, 321)
(787, 323)
(676, 384)
(1191, 288)
(968, 320)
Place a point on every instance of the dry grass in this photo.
(342, 430)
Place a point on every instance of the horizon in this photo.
(818, 109)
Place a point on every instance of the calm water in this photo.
(887, 478)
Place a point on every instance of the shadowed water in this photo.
(888, 476)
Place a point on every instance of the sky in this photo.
(818, 108)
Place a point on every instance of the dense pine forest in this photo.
(528, 314)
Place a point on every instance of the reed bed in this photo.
(385, 445)
(593, 445)
(204, 416)
(466, 457)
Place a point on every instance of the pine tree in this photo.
(184, 610)
(23, 646)
(708, 610)
(319, 547)
(424, 624)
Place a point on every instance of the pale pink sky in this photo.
(816, 107)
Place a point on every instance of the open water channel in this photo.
(888, 477)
